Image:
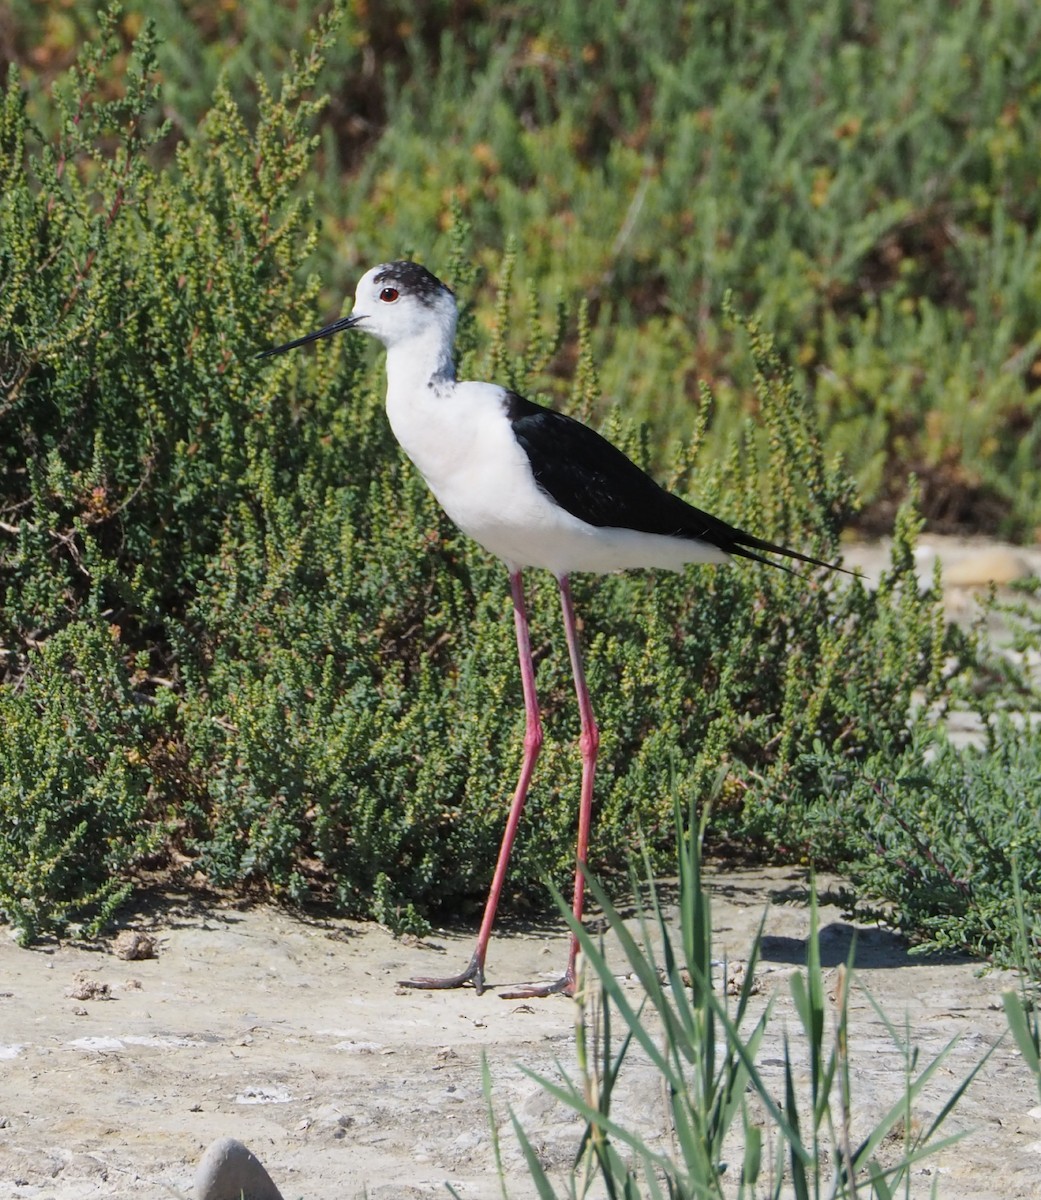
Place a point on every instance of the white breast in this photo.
(460, 439)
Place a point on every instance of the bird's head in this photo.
(396, 302)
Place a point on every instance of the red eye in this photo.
(389, 295)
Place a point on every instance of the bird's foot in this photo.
(474, 974)
(564, 986)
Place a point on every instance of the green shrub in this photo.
(314, 673)
(863, 178)
(124, 438)
(78, 800)
(944, 841)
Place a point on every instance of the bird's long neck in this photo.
(424, 360)
(420, 373)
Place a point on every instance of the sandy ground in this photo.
(293, 1036)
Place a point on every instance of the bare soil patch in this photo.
(294, 1037)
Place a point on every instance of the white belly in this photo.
(463, 445)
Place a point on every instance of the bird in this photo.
(539, 490)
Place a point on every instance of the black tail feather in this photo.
(745, 545)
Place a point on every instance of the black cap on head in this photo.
(413, 279)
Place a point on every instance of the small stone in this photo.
(85, 988)
(132, 944)
(263, 1094)
(231, 1171)
(329, 1120)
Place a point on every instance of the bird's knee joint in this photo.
(533, 739)
(589, 742)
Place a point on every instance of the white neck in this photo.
(420, 361)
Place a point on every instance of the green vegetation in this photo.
(729, 1130)
(863, 177)
(236, 633)
(1021, 1010)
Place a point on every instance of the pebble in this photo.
(231, 1171)
(85, 988)
(132, 944)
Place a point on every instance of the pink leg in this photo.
(474, 972)
(589, 742)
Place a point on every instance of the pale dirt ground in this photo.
(292, 1036)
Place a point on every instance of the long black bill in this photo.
(336, 327)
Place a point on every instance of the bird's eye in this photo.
(389, 295)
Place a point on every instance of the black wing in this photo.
(594, 481)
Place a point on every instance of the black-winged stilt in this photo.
(537, 489)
